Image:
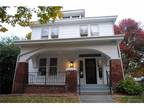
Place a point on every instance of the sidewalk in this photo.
(96, 99)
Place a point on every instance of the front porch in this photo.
(65, 68)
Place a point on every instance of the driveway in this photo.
(96, 99)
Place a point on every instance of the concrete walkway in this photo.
(96, 99)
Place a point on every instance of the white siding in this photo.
(73, 30)
(36, 33)
(69, 31)
(106, 29)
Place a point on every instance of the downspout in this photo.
(120, 59)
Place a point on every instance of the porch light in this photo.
(71, 65)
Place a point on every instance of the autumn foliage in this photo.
(132, 47)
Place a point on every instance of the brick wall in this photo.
(45, 89)
(20, 77)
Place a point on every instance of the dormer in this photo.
(74, 14)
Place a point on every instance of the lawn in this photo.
(39, 99)
(128, 99)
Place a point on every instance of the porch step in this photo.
(94, 89)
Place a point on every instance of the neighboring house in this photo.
(74, 54)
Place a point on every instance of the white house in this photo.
(86, 47)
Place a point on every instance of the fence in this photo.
(34, 78)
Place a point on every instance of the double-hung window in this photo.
(94, 30)
(53, 66)
(54, 32)
(83, 30)
(45, 33)
(42, 66)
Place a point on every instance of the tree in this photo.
(8, 58)
(132, 46)
(28, 36)
(23, 15)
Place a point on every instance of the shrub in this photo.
(130, 87)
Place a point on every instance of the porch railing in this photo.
(34, 78)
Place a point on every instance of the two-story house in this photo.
(74, 52)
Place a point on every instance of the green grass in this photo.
(129, 99)
(132, 99)
(39, 99)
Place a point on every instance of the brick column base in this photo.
(20, 77)
(71, 81)
(116, 72)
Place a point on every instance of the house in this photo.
(75, 54)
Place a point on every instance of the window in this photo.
(66, 17)
(53, 66)
(45, 32)
(81, 69)
(100, 68)
(54, 32)
(42, 66)
(83, 30)
(94, 30)
(75, 16)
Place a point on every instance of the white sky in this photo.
(123, 8)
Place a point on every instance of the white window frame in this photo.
(84, 34)
(57, 32)
(45, 32)
(96, 32)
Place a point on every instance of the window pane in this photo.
(42, 71)
(94, 30)
(42, 62)
(81, 65)
(53, 61)
(53, 71)
(53, 66)
(75, 16)
(66, 17)
(100, 68)
(45, 32)
(42, 66)
(83, 30)
(54, 33)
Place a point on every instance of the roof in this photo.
(80, 20)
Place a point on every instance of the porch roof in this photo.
(100, 39)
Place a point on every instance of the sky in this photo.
(123, 8)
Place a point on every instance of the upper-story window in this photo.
(45, 33)
(75, 16)
(54, 32)
(66, 17)
(83, 30)
(94, 30)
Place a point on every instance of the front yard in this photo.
(39, 99)
(128, 99)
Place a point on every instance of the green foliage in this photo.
(24, 15)
(130, 87)
(8, 57)
(29, 35)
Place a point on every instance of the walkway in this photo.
(96, 99)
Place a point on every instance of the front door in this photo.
(90, 67)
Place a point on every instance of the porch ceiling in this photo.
(71, 41)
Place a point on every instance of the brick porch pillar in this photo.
(116, 72)
(71, 81)
(20, 77)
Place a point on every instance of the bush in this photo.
(130, 87)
